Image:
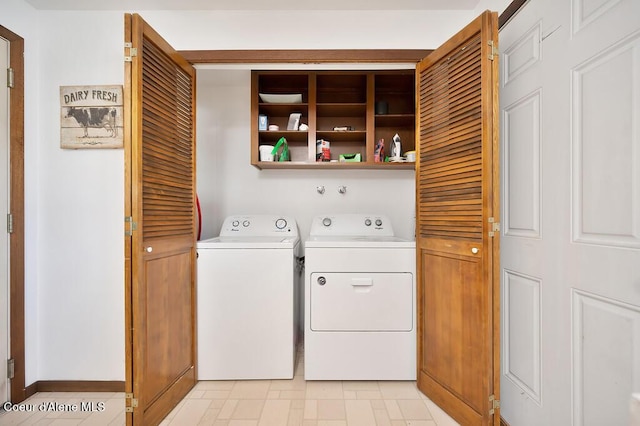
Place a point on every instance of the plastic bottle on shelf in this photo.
(378, 155)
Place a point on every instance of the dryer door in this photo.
(361, 301)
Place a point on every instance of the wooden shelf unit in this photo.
(335, 99)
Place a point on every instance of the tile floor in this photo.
(259, 403)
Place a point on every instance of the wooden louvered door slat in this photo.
(160, 197)
(456, 195)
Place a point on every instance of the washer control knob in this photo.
(235, 223)
(281, 223)
(326, 221)
(322, 280)
(378, 222)
(367, 222)
(246, 223)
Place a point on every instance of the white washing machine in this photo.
(360, 300)
(248, 292)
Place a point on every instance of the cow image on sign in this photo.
(91, 117)
(104, 118)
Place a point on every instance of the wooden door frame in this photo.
(317, 56)
(16, 207)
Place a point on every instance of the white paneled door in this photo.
(4, 210)
(570, 102)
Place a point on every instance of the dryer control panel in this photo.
(351, 225)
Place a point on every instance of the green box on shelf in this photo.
(350, 158)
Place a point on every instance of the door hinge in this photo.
(10, 78)
(495, 227)
(494, 50)
(494, 404)
(133, 51)
(132, 226)
(9, 223)
(11, 368)
(130, 402)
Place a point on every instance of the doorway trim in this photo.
(303, 56)
(16, 207)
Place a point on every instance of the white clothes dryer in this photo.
(360, 300)
(248, 292)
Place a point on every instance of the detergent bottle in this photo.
(378, 155)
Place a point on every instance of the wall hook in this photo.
(320, 189)
(342, 189)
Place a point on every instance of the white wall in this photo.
(74, 199)
(81, 209)
(294, 29)
(493, 5)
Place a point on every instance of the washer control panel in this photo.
(259, 226)
(350, 225)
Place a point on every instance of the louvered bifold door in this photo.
(163, 242)
(457, 204)
(167, 148)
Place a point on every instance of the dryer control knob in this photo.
(281, 223)
(322, 280)
(246, 223)
(326, 221)
(235, 223)
(367, 222)
(378, 222)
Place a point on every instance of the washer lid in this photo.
(239, 242)
(359, 242)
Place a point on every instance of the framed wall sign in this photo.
(91, 117)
